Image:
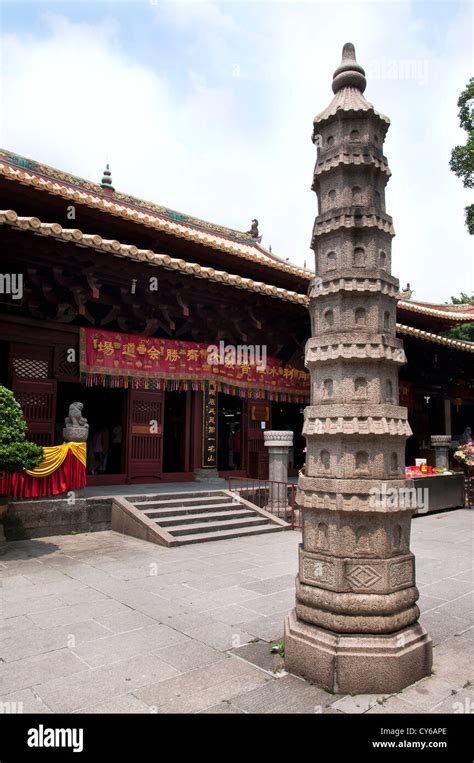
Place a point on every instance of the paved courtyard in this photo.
(106, 623)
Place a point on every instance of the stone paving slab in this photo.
(395, 705)
(67, 615)
(125, 621)
(221, 692)
(125, 703)
(285, 695)
(23, 701)
(27, 672)
(120, 646)
(272, 585)
(189, 655)
(40, 641)
(234, 614)
(430, 691)
(261, 654)
(33, 604)
(223, 708)
(89, 687)
(106, 623)
(203, 687)
(360, 703)
(222, 636)
(461, 702)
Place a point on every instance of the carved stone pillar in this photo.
(278, 444)
(355, 625)
(441, 443)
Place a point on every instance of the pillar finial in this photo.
(349, 73)
(106, 181)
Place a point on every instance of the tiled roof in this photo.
(94, 241)
(42, 177)
(116, 248)
(429, 337)
(348, 99)
(461, 313)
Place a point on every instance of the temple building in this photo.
(183, 339)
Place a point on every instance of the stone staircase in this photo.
(173, 519)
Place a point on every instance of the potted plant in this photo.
(465, 455)
(15, 451)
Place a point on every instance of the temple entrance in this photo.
(104, 409)
(175, 432)
(258, 418)
(229, 433)
(144, 459)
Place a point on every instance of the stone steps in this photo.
(210, 516)
(177, 518)
(169, 511)
(215, 526)
(226, 534)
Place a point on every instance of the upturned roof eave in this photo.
(226, 240)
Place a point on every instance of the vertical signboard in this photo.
(209, 445)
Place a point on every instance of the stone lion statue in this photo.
(75, 417)
(76, 428)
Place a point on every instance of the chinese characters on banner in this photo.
(209, 444)
(121, 360)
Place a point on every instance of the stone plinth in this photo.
(75, 434)
(355, 625)
(278, 444)
(357, 664)
(208, 475)
(441, 444)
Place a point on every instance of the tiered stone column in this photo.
(278, 444)
(355, 625)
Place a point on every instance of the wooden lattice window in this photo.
(66, 364)
(30, 368)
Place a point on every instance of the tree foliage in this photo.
(15, 450)
(465, 331)
(462, 157)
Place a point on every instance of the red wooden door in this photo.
(35, 390)
(257, 453)
(38, 402)
(144, 436)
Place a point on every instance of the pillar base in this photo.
(357, 664)
(208, 475)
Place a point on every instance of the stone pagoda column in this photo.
(355, 625)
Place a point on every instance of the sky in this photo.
(207, 108)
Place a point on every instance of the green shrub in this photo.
(15, 451)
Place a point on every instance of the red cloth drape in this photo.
(71, 475)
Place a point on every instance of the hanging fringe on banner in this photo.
(191, 385)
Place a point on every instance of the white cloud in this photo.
(228, 148)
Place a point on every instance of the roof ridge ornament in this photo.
(106, 181)
(253, 232)
(349, 73)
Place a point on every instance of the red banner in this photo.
(122, 360)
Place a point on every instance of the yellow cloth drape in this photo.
(54, 457)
